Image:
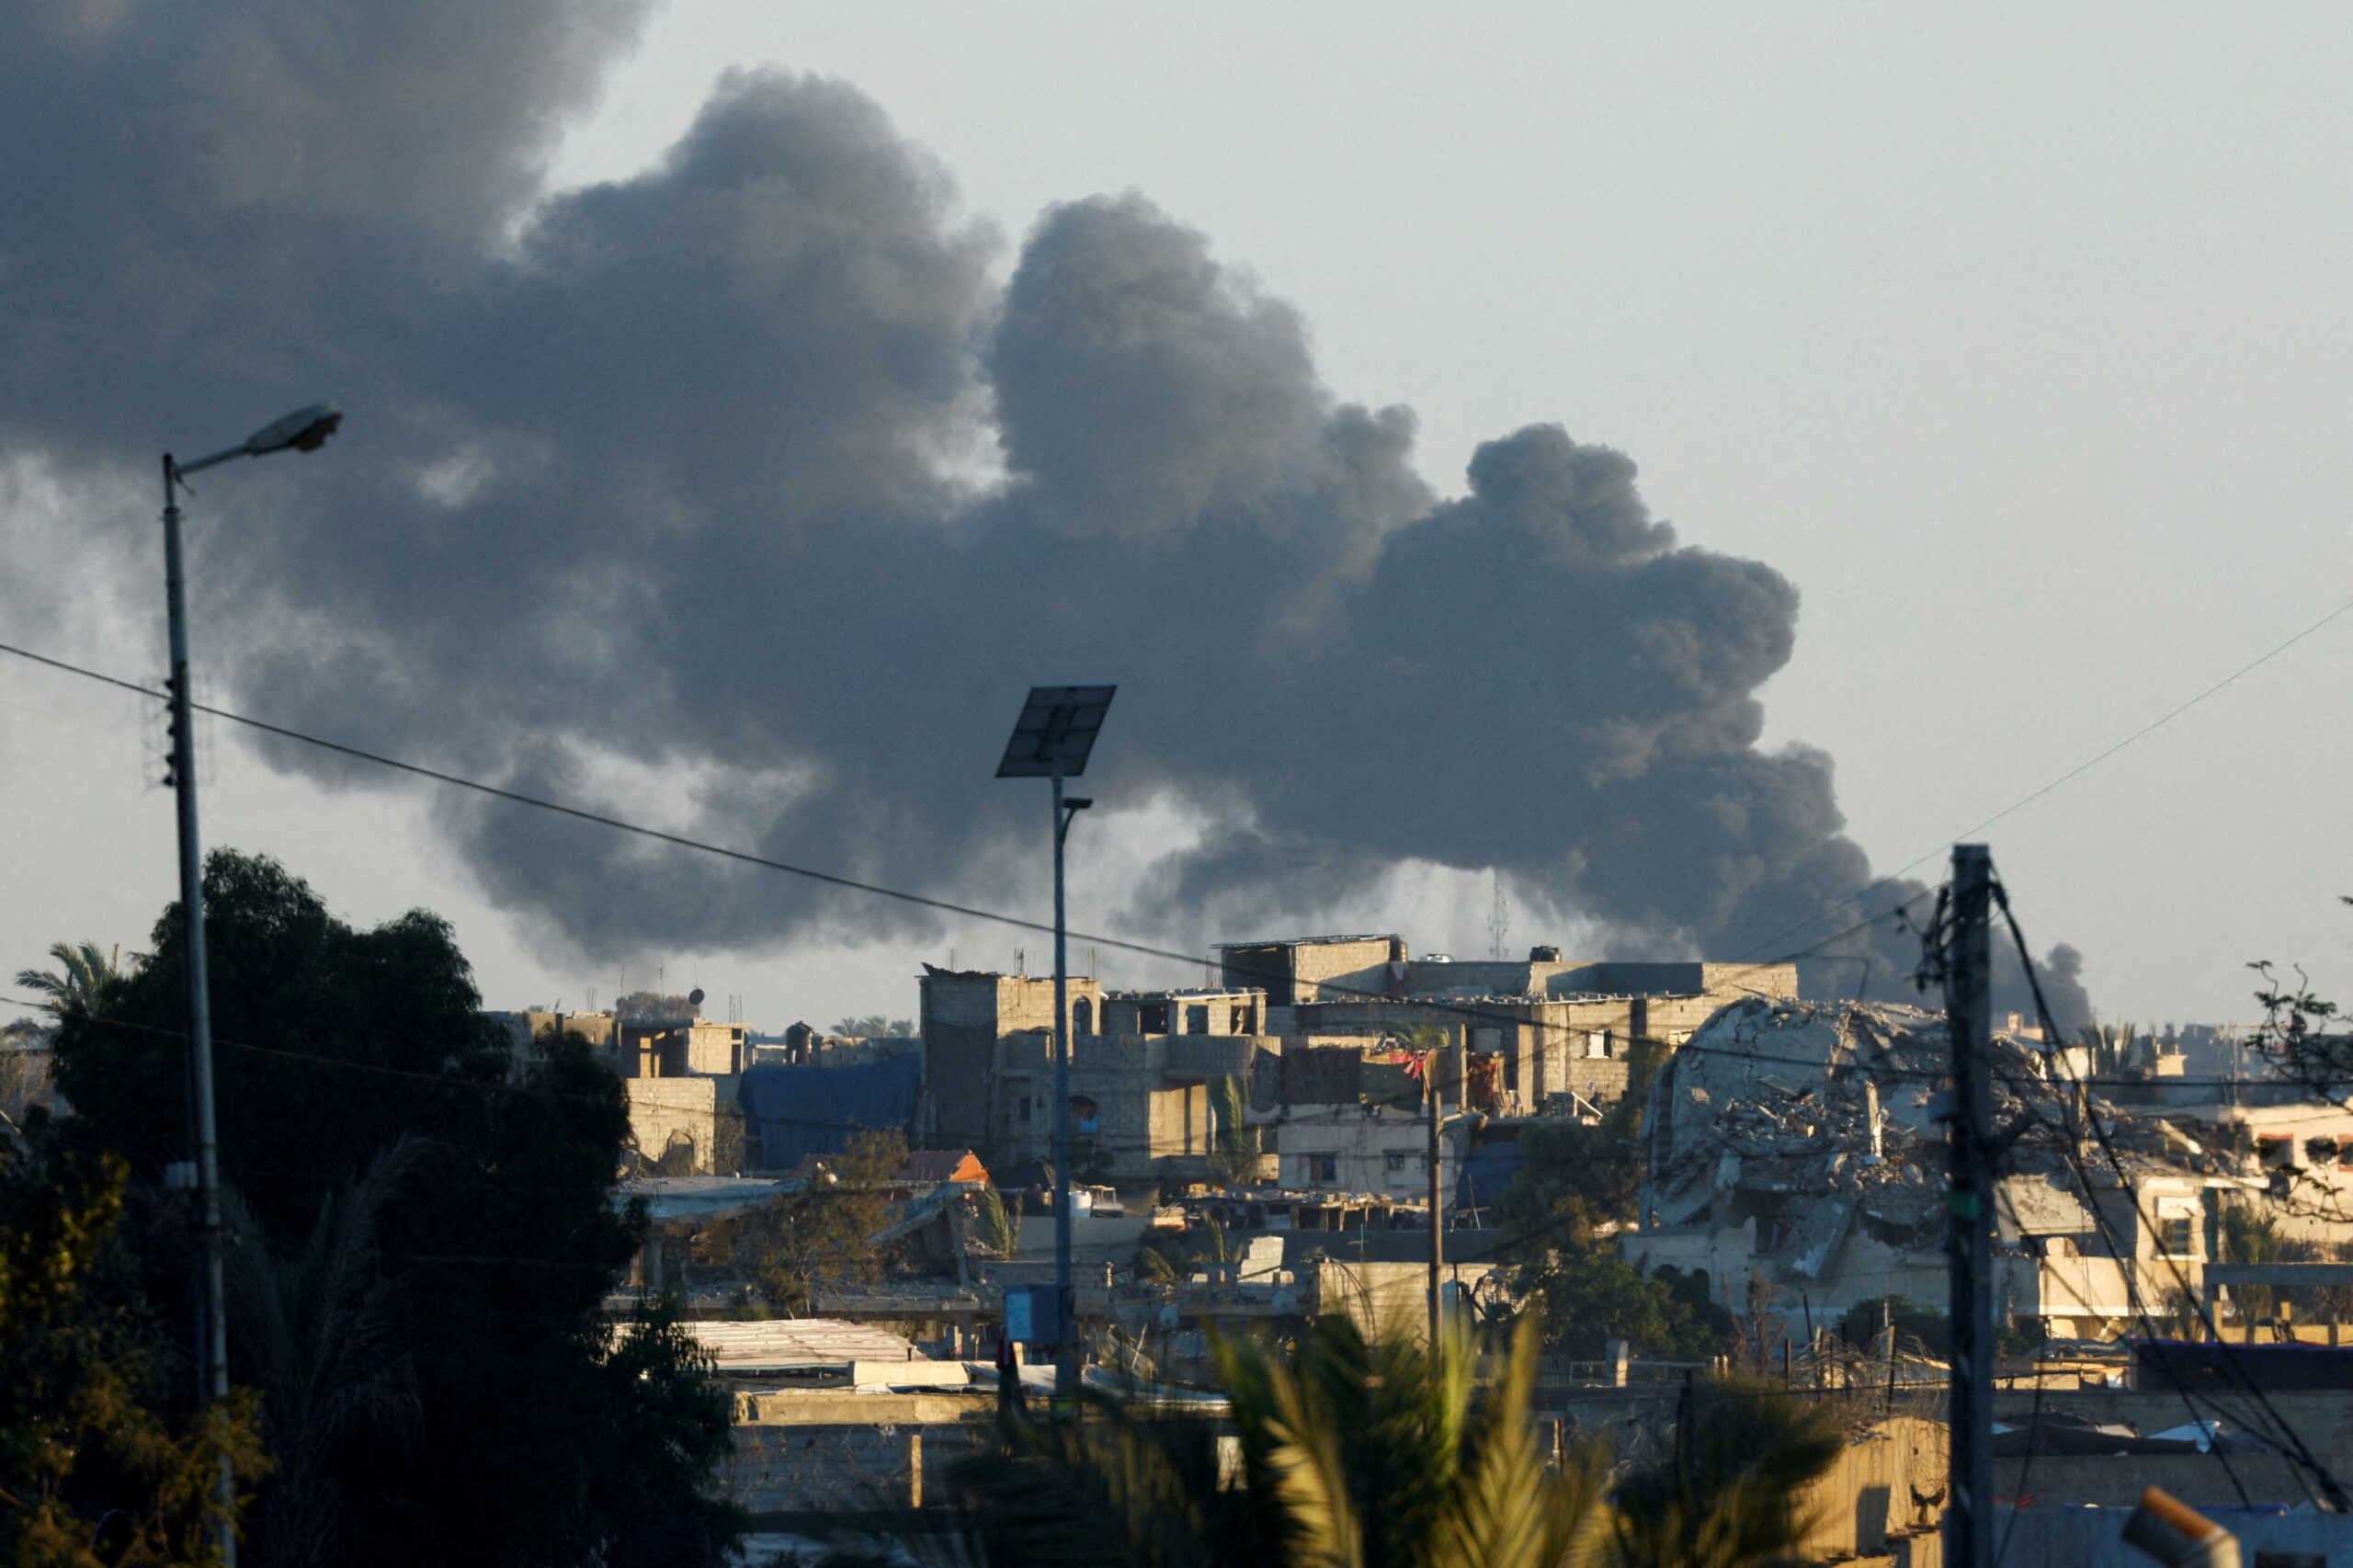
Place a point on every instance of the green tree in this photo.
(1584, 1299)
(1573, 1177)
(97, 1465)
(1234, 1161)
(1354, 1450)
(1924, 1328)
(874, 1025)
(85, 977)
(820, 1234)
(1365, 1451)
(333, 1046)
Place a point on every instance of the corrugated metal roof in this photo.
(797, 1344)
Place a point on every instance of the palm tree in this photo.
(321, 1322)
(1367, 1451)
(1729, 1497)
(88, 975)
(1355, 1451)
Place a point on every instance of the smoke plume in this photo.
(753, 490)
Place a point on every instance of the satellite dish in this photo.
(694, 997)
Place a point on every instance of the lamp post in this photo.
(1052, 740)
(301, 431)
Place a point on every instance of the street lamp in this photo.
(1052, 740)
(301, 431)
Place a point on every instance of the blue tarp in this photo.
(792, 1111)
(1488, 1170)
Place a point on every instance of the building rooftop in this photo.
(1311, 941)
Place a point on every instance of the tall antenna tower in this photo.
(1499, 922)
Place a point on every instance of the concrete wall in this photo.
(1378, 1294)
(1361, 1142)
(1292, 972)
(661, 1108)
(964, 1017)
(866, 1465)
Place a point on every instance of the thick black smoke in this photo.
(747, 480)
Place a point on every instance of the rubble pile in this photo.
(1817, 1118)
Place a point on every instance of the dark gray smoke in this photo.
(687, 471)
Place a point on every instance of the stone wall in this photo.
(781, 1469)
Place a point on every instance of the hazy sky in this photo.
(2017, 339)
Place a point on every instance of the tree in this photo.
(1362, 1451)
(1584, 1299)
(1573, 1178)
(1234, 1161)
(495, 1250)
(1731, 1496)
(822, 1232)
(1358, 1450)
(96, 1465)
(82, 981)
(874, 1025)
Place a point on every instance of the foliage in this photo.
(1929, 1329)
(1234, 1161)
(1584, 1299)
(1354, 1451)
(2251, 1235)
(874, 1025)
(95, 1464)
(84, 978)
(1359, 1451)
(1164, 1259)
(2301, 1032)
(480, 1273)
(1573, 1178)
(821, 1231)
(1729, 1496)
(1000, 1223)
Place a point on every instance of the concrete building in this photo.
(967, 1016)
(1547, 1028)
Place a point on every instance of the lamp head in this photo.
(305, 430)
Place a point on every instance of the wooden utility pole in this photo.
(1968, 1516)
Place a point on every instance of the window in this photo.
(1197, 1019)
(1025, 1107)
(1152, 1017)
(2277, 1152)
(2174, 1235)
(1081, 1017)
(1596, 1043)
(1324, 1168)
(1404, 1164)
(1083, 1113)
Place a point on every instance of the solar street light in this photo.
(1051, 739)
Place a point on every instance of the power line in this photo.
(2080, 769)
(2294, 1445)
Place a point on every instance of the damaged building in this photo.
(1796, 1146)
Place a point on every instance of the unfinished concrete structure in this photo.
(967, 1016)
(1547, 1028)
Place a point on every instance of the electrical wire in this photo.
(2284, 1434)
(2068, 777)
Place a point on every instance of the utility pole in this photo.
(304, 430)
(1969, 1514)
(1437, 1206)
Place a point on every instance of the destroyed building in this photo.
(1796, 1146)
